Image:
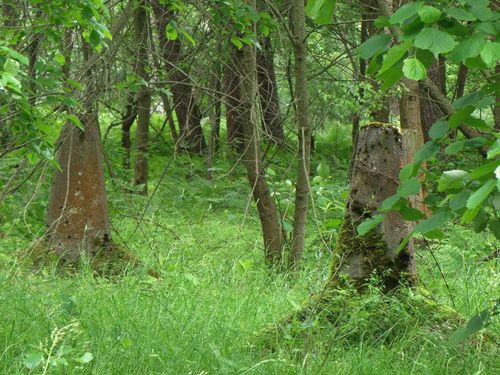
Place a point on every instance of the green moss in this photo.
(371, 246)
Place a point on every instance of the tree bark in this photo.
(374, 178)
(143, 97)
(304, 132)
(128, 119)
(251, 157)
(185, 105)
(268, 92)
(430, 111)
(77, 219)
(371, 12)
(234, 108)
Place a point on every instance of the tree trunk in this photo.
(374, 178)
(143, 98)
(78, 212)
(382, 112)
(128, 119)
(185, 105)
(304, 132)
(496, 108)
(234, 108)
(430, 111)
(251, 157)
(77, 217)
(268, 92)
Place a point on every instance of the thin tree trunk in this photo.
(304, 132)
(268, 92)
(127, 120)
(461, 80)
(496, 108)
(234, 108)
(143, 97)
(185, 105)
(374, 178)
(251, 157)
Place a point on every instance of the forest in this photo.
(249, 187)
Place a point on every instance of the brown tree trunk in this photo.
(185, 105)
(371, 12)
(77, 217)
(143, 98)
(304, 131)
(430, 111)
(127, 120)
(496, 108)
(374, 178)
(268, 92)
(251, 157)
(234, 108)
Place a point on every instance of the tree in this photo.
(185, 103)
(78, 218)
(303, 130)
(251, 157)
(141, 24)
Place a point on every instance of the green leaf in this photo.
(479, 196)
(321, 11)
(494, 150)
(405, 12)
(369, 224)
(459, 117)
(491, 54)
(434, 222)
(459, 201)
(411, 214)
(429, 14)
(452, 180)
(484, 170)
(171, 31)
(481, 11)
(60, 59)
(468, 48)
(189, 38)
(435, 40)
(376, 44)
(86, 358)
(494, 226)
(414, 69)
(475, 324)
(33, 360)
(408, 171)
(467, 100)
(389, 203)
(409, 187)
(237, 42)
(394, 55)
(11, 66)
(460, 14)
(438, 130)
(426, 152)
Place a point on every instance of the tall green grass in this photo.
(216, 306)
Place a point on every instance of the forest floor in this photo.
(213, 308)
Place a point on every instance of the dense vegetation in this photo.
(249, 187)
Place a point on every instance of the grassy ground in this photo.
(214, 308)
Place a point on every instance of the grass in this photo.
(216, 305)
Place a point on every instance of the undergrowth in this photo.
(215, 308)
